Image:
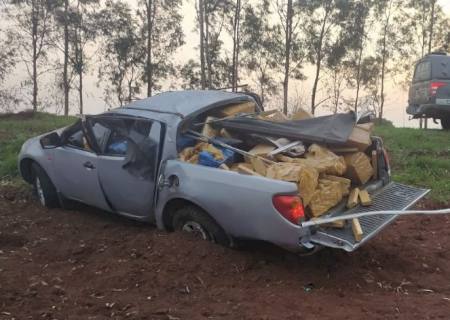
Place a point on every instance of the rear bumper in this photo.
(394, 196)
(429, 110)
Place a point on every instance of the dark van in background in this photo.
(429, 93)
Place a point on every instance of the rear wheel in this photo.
(445, 122)
(194, 220)
(44, 187)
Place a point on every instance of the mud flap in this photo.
(394, 196)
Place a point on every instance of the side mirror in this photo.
(51, 141)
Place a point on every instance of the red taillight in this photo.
(290, 207)
(434, 86)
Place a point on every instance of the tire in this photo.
(445, 122)
(45, 190)
(194, 220)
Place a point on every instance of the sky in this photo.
(396, 96)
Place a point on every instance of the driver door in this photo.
(127, 162)
(76, 167)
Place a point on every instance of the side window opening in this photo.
(423, 71)
(74, 137)
(127, 138)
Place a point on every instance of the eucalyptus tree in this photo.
(31, 26)
(258, 42)
(212, 16)
(393, 43)
(360, 24)
(235, 30)
(327, 36)
(123, 53)
(7, 63)
(289, 40)
(77, 21)
(429, 24)
(161, 31)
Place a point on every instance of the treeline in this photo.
(346, 49)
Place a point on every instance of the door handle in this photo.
(88, 165)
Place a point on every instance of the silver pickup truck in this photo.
(143, 179)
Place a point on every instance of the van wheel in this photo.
(44, 187)
(194, 220)
(445, 122)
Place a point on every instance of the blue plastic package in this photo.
(207, 159)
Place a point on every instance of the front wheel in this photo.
(194, 220)
(44, 187)
(445, 122)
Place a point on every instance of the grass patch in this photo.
(420, 158)
(15, 129)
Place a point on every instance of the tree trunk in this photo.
(207, 51)
(288, 45)
(80, 91)
(383, 62)
(149, 67)
(383, 74)
(201, 21)
(236, 26)
(358, 78)
(318, 64)
(66, 58)
(430, 43)
(432, 18)
(34, 31)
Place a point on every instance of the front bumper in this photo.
(394, 196)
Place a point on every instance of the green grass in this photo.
(420, 158)
(15, 129)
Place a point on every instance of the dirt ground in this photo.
(88, 264)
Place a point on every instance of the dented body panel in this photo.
(241, 204)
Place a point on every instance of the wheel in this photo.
(194, 220)
(445, 122)
(44, 187)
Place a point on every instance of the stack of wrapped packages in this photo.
(324, 178)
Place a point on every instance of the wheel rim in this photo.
(40, 191)
(196, 229)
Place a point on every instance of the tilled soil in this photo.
(88, 264)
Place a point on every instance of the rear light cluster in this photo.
(290, 207)
(434, 86)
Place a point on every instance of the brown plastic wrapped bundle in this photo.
(307, 184)
(190, 154)
(321, 159)
(305, 177)
(325, 161)
(187, 153)
(327, 195)
(345, 183)
(359, 169)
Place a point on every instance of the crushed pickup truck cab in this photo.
(215, 164)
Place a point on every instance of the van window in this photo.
(423, 71)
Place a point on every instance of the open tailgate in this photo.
(394, 196)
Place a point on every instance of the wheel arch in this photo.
(25, 169)
(175, 204)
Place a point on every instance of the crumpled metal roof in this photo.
(187, 102)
